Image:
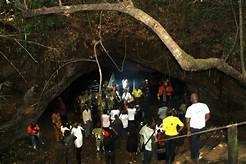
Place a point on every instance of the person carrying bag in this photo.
(142, 145)
(146, 134)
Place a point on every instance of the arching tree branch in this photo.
(186, 61)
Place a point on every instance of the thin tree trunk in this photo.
(100, 78)
(241, 37)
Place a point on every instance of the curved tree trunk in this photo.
(186, 61)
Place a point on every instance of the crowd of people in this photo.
(125, 113)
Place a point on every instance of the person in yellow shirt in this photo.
(137, 94)
(171, 126)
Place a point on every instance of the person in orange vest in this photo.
(169, 91)
(161, 95)
(56, 121)
(33, 130)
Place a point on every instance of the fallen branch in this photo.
(186, 61)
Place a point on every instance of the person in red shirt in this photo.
(33, 130)
(161, 95)
(169, 91)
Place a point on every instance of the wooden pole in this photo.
(232, 145)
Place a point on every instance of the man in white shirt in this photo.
(65, 127)
(126, 96)
(147, 137)
(124, 119)
(196, 117)
(105, 120)
(124, 83)
(87, 121)
(131, 114)
(77, 132)
(114, 112)
(131, 111)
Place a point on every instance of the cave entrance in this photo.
(135, 73)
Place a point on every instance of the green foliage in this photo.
(43, 23)
(42, 3)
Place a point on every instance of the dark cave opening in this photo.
(134, 74)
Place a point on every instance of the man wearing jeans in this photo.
(196, 117)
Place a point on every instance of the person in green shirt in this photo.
(98, 134)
